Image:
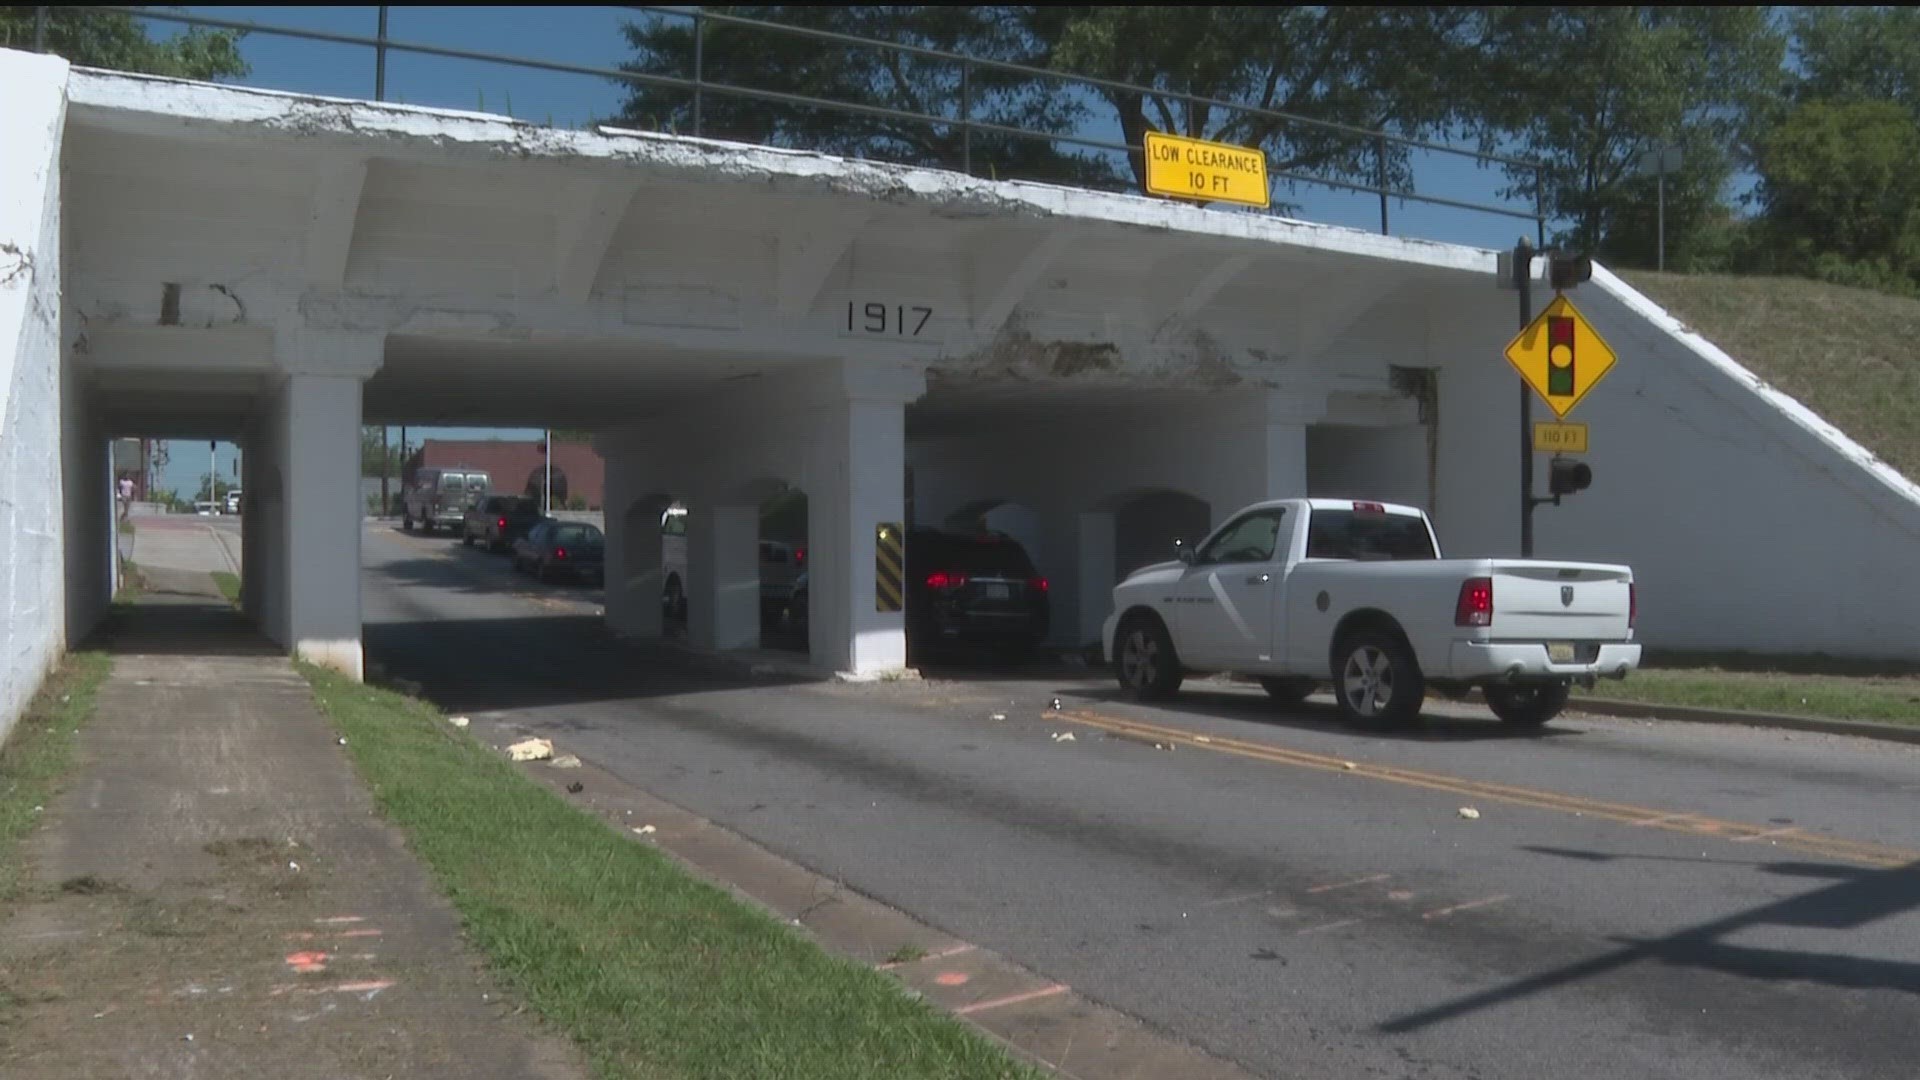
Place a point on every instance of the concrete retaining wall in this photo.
(32, 608)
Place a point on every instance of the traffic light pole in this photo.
(1523, 280)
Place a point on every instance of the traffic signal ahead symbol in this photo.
(1560, 356)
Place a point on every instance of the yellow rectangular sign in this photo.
(1551, 438)
(1207, 171)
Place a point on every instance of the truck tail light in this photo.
(503, 523)
(1369, 508)
(1039, 584)
(799, 556)
(942, 580)
(1633, 604)
(1476, 603)
(559, 553)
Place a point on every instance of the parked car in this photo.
(562, 549)
(781, 564)
(1300, 592)
(498, 521)
(962, 590)
(233, 501)
(441, 497)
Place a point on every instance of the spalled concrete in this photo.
(221, 899)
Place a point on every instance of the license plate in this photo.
(997, 591)
(1560, 652)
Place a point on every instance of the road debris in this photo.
(645, 830)
(566, 761)
(576, 788)
(1063, 736)
(1469, 813)
(1348, 765)
(1201, 739)
(531, 750)
(998, 716)
(1054, 705)
(342, 740)
(458, 721)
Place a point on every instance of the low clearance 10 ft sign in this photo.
(1206, 171)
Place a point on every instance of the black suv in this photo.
(963, 590)
(498, 521)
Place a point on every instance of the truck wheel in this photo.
(1287, 691)
(1531, 705)
(1145, 662)
(1376, 681)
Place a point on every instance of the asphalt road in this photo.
(1633, 899)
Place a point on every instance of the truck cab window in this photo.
(1247, 539)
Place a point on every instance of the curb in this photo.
(1863, 729)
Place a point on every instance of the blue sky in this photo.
(590, 36)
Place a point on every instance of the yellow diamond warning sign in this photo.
(1560, 356)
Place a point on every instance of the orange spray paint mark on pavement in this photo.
(307, 961)
(951, 978)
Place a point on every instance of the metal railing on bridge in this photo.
(1372, 162)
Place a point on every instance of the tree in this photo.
(784, 63)
(1377, 68)
(219, 489)
(1840, 183)
(1588, 90)
(375, 459)
(107, 39)
(1870, 53)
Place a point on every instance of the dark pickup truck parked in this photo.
(498, 521)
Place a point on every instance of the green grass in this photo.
(38, 753)
(1845, 353)
(1786, 686)
(651, 972)
(229, 585)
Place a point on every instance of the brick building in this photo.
(517, 468)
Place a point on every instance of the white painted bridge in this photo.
(189, 260)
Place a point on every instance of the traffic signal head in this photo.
(1565, 270)
(1564, 477)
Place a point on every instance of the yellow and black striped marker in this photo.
(889, 567)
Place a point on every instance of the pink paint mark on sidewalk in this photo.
(1011, 999)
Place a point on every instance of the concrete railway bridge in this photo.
(902, 345)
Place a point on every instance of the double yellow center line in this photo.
(1877, 855)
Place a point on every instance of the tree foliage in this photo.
(1589, 90)
(1840, 183)
(1376, 68)
(107, 39)
(923, 86)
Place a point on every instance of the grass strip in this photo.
(1887, 699)
(650, 971)
(39, 752)
(229, 585)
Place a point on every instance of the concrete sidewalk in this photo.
(219, 898)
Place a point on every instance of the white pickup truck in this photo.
(1301, 592)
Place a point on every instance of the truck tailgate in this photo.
(1553, 601)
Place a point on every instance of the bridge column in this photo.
(1271, 429)
(319, 514)
(723, 568)
(862, 443)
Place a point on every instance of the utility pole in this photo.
(386, 464)
(546, 489)
(1523, 281)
